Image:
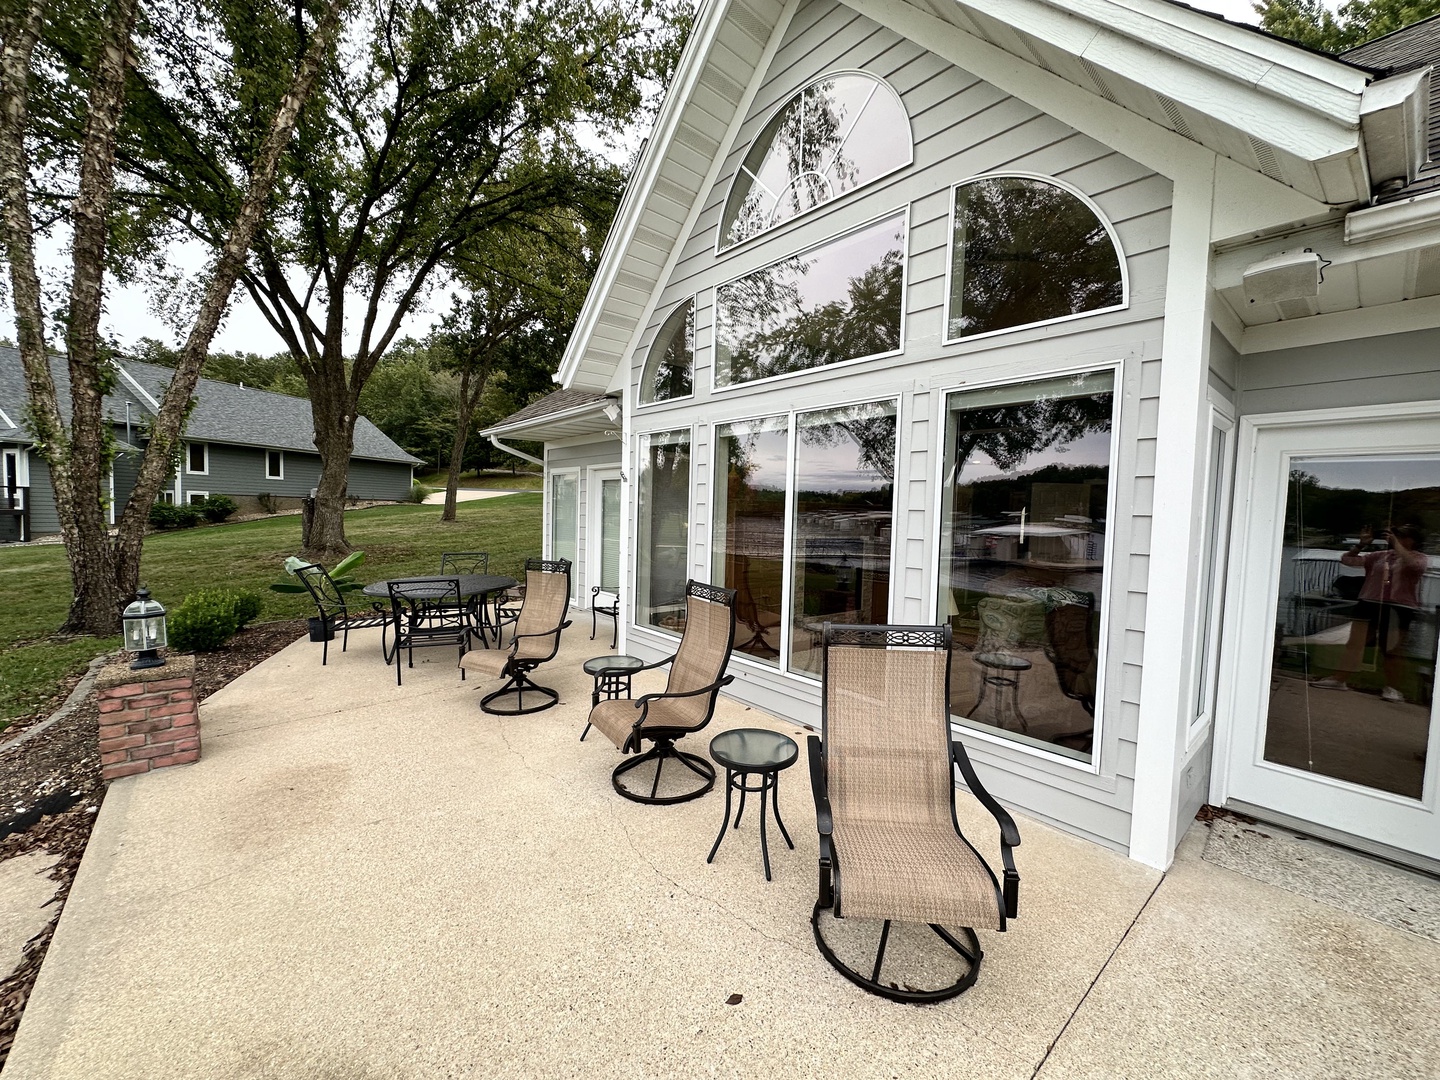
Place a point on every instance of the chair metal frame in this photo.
(427, 613)
(613, 611)
(1007, 896)
(470, 562)
(517, 668)
(334, 612)
(664, 738)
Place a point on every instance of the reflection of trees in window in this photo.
(804, 312)
(834, 135)
(870, 428)
(669, 369)
(1023, 252)
(1009, 434)
(664, 522)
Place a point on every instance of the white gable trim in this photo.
(144, 395)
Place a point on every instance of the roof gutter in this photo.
(518, 453)
(1393, 126)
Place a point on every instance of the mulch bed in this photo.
(50, 792)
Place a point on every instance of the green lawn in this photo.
(502, 479)
(396, 540)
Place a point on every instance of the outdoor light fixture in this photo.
(145, 632)
(612, 411)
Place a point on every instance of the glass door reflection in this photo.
(1353, 673)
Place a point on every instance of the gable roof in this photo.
(1412, 48)
(1274, 107)
(223, 413)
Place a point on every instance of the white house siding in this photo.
(1372, 371)
(961, 127)
(579, 457)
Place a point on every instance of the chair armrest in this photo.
(644, 702)
(819, 788)
(1009, 834)
(656, 664)
(542, 633)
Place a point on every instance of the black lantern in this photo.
(145, 632)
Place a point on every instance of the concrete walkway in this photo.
(437, 498)
(362, 881)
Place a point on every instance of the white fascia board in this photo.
(575, 413)
(642, 181)
(1393, 115)
(1301, 103)
(148, 402)
(1152, 145)
(1353, 325)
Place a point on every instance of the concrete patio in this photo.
(360, 880)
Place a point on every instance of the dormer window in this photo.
(839, 133)
(670, 366)
(1027, 251)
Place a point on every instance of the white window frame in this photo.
(666, 638)
(1215, 513)
(550, 474)
(694, 301)
(205, 448)
(1013, 174)
(782, 662)
(191, 497)
(939, 414)
(903, 210)
(721, 248)
(268, 474)
(595, 476)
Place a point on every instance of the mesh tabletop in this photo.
(754, 749)
(470, 584)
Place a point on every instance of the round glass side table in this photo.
(612, 679)
(758, 752)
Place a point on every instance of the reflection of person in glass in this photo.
(1388, 601)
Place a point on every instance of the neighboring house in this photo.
(251, 445)
(1106, 330)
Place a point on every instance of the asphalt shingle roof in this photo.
(1415, 46)
(224, 412)
(553, 403)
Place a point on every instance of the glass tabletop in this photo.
(596, 665)
(754, 748)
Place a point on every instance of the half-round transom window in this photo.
(1026, 251)
(670, 366)
(838, 133)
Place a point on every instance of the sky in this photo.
(130, 315)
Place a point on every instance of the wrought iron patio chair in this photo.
(332, 610)
(427, 612)
(537, 639)
(612, 609)
(470, 562)
(882, 776)
(1070, 648)
(754, 612)
(697, 674)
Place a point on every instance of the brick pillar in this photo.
(148, 718)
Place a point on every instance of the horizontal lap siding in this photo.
(240, 470)
(44, 518)
(962, 127)
(1374, 371)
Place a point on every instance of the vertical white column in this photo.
(1177, 533)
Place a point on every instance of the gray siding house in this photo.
(1106, 331)
(251, 445)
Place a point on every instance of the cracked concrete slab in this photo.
(360, 880)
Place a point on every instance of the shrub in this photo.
(217, 508)
(169, 516)
(247, 606)
(419, 491)
(208, 618)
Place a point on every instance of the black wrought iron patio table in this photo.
(472, 587)
(747, 752)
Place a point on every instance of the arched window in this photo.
(837, 134)
(1027, 251)
(670, 366)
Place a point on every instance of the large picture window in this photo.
(662, 535)
(837, 134)
(1026, 251)
(670, 366)
(839, 301)
(749, 529)
(564, 514)
(807, 499)
(844, 503)
(1022, 550)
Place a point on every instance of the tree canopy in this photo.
(1311, 23)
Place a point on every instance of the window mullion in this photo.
(787, 586)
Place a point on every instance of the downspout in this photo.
(495, 439)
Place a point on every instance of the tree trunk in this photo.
(334, 411)
(472, 388)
